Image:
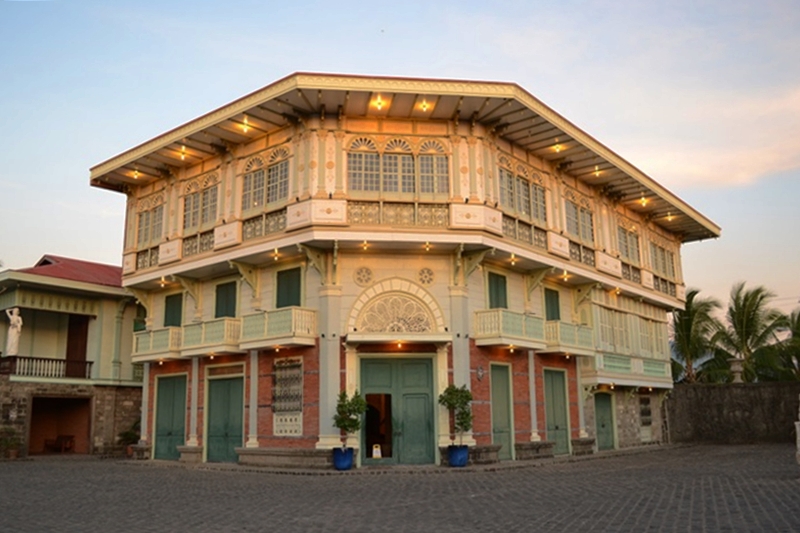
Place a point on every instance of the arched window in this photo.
(200, 204)
(262, 186)
(521, 194)
(396, 170)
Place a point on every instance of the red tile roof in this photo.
(76, 270)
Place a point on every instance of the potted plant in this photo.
(348, 420)
(129, 437)
(10, 442)
(457, 400)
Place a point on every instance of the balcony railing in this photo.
(222, 333)
(45, 367)
(293, 325)
(562, 335)
(502, 326)
(159, 341)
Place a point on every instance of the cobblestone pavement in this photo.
(691, 489)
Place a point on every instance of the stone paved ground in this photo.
(691, 489)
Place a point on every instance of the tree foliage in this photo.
(692, 331)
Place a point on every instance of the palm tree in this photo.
(692, 331)
(781, 362)
(751, 326)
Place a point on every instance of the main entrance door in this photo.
(398, 425)
(604, 421)
(501, 411)
(555, 403)
(170, 417)
(225, 419)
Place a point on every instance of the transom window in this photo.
(580, 222)
(149, 227)
(266, 186)
(525, 198)
(200, 206)
(628, 242)
(396, 169)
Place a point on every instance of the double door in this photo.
(398, 424)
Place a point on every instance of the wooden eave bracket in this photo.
(584, 292)
(145, 298)
(249, 274)
(316, 258)
(472, 260)
(534, 278)
(191, 286)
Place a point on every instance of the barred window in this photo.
(149, 227)
(288, 391)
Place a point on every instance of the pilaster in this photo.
(252, 413)
(193, 409)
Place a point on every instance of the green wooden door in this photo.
(399, 419)
(552, 305)
(604, 421)
(225, 303)
(225, 419)
(555, 402)
(170, 417)
(288, 288)
(498, 297)
(501, 411)
(173, 310)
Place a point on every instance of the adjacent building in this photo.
(70, 385)
(393, 236)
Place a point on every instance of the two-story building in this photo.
(392, 236)
(70, 384)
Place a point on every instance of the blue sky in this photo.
(702, 96)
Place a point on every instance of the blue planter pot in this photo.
(458, 455)
(343, 458)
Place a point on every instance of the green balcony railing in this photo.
(218, 332)
(495, 323)
(295, 322)
(157, 341)
(567, 335)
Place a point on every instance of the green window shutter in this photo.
(173, 310)
(226, 300)
(288, 288)
(552, 308)
(497, 291)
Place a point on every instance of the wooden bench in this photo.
(61, 444)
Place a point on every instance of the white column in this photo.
(459, 327)
(252, 423)
(145, 403)
(193, 403)
(330, 297)
(532, 388)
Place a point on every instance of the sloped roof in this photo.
(54, 266)
(507, 109)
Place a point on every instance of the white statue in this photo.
(14, 331)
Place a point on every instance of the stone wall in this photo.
(733, 413)
(113, 409)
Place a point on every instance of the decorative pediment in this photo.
(396, 305)
(395, 313)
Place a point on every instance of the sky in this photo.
(704, 97)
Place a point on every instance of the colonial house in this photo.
(393, 236)
(67, 382)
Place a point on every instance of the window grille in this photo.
(288, 390)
